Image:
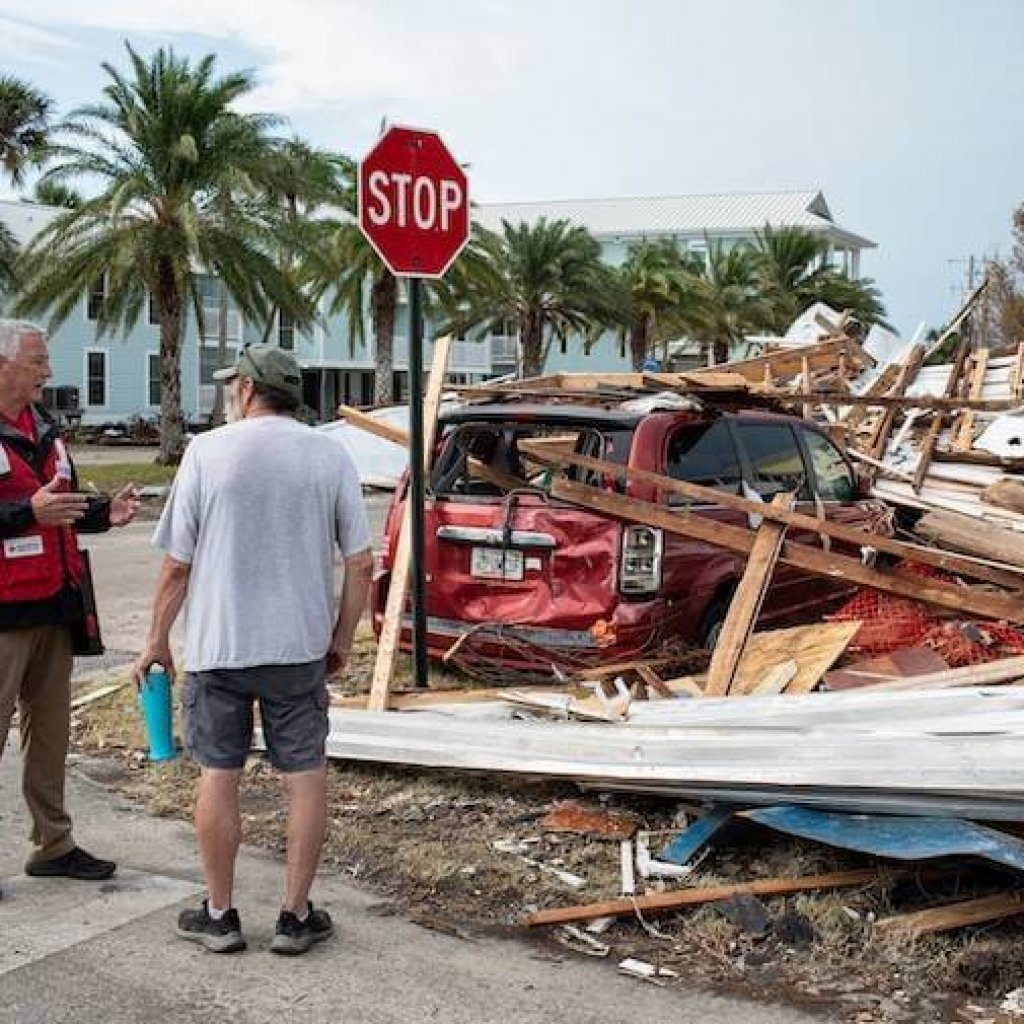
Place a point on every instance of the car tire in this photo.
(712, 622)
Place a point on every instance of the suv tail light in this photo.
(640, 571)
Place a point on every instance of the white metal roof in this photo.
(723, 213)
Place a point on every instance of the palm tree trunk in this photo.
(533, 345)
(720, 348)
(217, 413)
(640, 340)
(172, 421)
(383, 300)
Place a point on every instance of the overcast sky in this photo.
(907, 114)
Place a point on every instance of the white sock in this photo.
(214, 913)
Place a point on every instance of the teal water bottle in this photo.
(155, 698)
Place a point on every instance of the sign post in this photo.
(414, 210)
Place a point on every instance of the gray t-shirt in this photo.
(256, 509)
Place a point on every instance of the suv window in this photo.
(703, 453)
(775, 460)
(831, 471)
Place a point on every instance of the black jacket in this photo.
(16, 517)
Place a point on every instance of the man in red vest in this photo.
(41, 604)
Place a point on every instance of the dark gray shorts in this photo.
(293, 710)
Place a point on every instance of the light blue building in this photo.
(118, 377)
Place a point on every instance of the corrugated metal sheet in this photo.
(724, 213)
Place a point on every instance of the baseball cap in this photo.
(269, 366)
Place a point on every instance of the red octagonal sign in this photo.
(413, 202)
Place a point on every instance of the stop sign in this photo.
(413, 202)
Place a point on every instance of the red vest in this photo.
(35, 564)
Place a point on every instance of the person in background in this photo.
(249, 534)
(43, 578)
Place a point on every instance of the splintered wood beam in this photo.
(907, 374)
(387, 647)
(745, 605)
(894, 402)
(932, 437)
(950, 562)
(954, 915)
(813, 560)
(963, 436)
(401, 437)
(660, 902)
(1017, 380)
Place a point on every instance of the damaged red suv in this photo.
(517, 573)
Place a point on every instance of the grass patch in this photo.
(118, 475)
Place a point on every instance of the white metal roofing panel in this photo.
(716, 214)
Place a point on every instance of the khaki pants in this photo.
(35, 676)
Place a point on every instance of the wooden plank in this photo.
(813, 560)
(963, 436)
(660, 902)
(954, 915)
(1017, 376)
(388, 432)
(788, 362)
(963, 533)
(907, 374)
(378, 428)
(776, 679)
(994, 673)
(1006, 493)
(895, 402)
(387, 646)
(836, 531)
(746, 603)
(880, 386)
(952, 386)
(815, 649)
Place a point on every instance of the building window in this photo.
(622, 346)
(95, 377)
(154, 316)
(209, 360)
(153, 378)
(97, 296)
(563, 345)
(285, 331)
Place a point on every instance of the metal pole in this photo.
(417, 489)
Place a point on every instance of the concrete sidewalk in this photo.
(106, 953)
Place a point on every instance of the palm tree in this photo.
(356, 273)
(659, 282)
(53, 193)
(24, 125)
(728, 303)
(162, 146)
(8, 259)
(793, 273)
(547, 279)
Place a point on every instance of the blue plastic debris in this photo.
(898, 838)
(691, 839)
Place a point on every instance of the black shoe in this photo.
(223, 936)
(76, 863)
(293, 937)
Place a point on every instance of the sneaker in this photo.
(293, 937)
(223, 936)
(76, 863)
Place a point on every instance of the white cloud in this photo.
(321, 52)
(19, 41)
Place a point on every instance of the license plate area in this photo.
(496, 564)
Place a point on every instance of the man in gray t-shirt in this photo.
(249, 535)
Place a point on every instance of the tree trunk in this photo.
(172, 421)
(533, 345)
(383, 300)
(720, 348)
(639, 341)
(217, 413)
